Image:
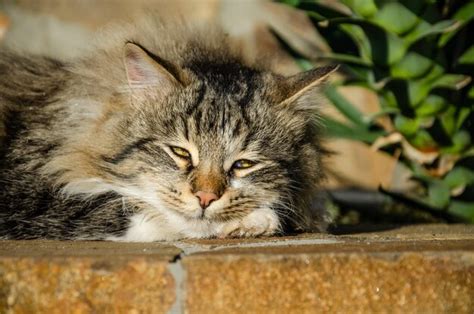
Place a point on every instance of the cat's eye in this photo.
(180, 152)
(243, 164)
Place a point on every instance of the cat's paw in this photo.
(262, 222)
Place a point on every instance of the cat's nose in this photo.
(206, 198)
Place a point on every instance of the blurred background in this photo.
(398, 114)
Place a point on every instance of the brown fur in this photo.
(87, 145)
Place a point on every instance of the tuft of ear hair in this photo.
(299, 86)
(143, 71)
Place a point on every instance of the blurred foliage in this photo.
(418, 57)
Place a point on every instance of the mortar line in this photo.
(177, 271)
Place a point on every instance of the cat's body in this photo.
(157, 135)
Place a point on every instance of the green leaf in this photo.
(410, 93)
(452, 81)
(432, 105)
(420, 174)
(345, 107)
(419, 89)
(408, 127)
(395, 17)
(383, 112)
(365, 8)
(470, 94)
(463, 15)
(316, 16)
(463, 113)
(411, 66)
(376, 44)
(293, 3)
(304, 64)
(343, 58)
(362, 74)
(459, 176)
(423, 141)
(461, 141)
(448, 120)
(360, 40)
(424, 29)
(388, 99)
(438, 194)
(341, 130)
(320, 12)
(462, 209)
(467, 57)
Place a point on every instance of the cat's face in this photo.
(215, 142)
(205, 155)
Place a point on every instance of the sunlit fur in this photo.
(86, 155)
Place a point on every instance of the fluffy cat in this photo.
(159, 133)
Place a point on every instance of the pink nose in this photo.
(206, 198)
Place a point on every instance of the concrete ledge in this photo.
(85, 277)
(417, 269)
(333, 279)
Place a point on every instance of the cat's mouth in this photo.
(195, 214)
(204, 215)
(219, 211)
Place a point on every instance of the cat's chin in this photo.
(197, 216)
(145, 228)
(260, 222)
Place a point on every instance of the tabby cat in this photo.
(158, 133)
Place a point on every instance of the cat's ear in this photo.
(302, 85)
(143, 71)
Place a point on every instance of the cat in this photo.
(160, 132)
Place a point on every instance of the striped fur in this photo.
(85, 154)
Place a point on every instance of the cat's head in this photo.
(213, 139)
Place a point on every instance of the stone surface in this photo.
(85, 277)
(101, 249)
(413, 269)
(416, 269)
(414, 232)
(334, 278)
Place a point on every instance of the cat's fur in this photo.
(85, 145)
